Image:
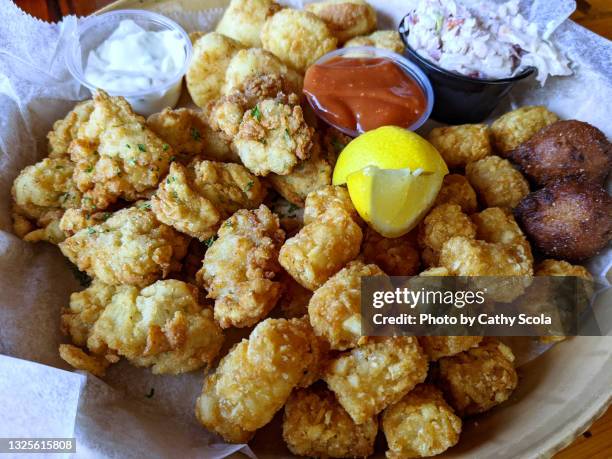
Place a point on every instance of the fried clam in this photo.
(565, 149)
(131, 247)
(421, 424)
(239, 267)
(162, 326)
(395, 256)
(41, 193)
(385, 39)
(437, 347)
(244, 19)
(518, 126)
(255, 379)
(330, 197)
(567, 219)
(346, 19)
(66, 129)
(116, 156)
(195, 199)
(273, 137)
(316, 425)
(190, 135)
(478, 379)
(497, 182)
(461, 145)
(456, 189)
(298, 38)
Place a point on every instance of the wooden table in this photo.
(595, 443)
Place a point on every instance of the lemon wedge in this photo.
(393, 201)
(393, 177)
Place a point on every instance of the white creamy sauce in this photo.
(133, 59)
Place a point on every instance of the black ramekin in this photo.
(460, 99)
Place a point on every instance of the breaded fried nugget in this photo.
(562, 268)
(298, 38)
(249, 64)
(316, 425)
(476, 380)
(66, 129)
(205, 76)
(565, 149)
(330, 197)
(421, 424)
(515, 127)
(116, 155)
(85, 309)
(195, 199)
(497, 182)
(385, 39)
(40, 195)
(395, 256)
(376, 374)
(568, 219)
(239, 266)
(442, 223)
(190, 136)
(243, 20)
(311, 175)
(321, 248)
(162, 326)
(345, 18)
(75, 220)
(131, 247)
(273, 137)
(461, 145)
(456, 189)
(437, 347)
(254, 380)
(335, 307)
(497, 225)
(79, 359)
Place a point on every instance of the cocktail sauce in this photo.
(363, 93)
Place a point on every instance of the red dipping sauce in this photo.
(363, 93)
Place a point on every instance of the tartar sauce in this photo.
(132, 61)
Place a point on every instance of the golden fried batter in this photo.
(335, 307)
(66, 129)
(420, 425)
(254, 380)
(476, 380)
(162, 326)
(239, 266)
(456, 189)
(461, 145)
(190, 136)
(195, 199)
(298, 38)
(385, 39)
(294, 300)
(316, 425)
(40, 194)
(562, 268)
(345, 18)
(497, 182)
(116, 155)
(243, 20)
(395, 256)
(205, 76)
(75, 220)
(376, 374)
(311, 175)
(321, 248)
(515, 127)
(131, 247)
(567, 219)
(442, 223)
(331, 197)
(79, 359)
(273, 137)
(437, 347)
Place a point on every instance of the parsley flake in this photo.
(249, 186)
(195, 134)
(89, 169)
(256, 113)
(208, 242)
(141, 147)
(165, 147)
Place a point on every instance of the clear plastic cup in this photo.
(411, 69)
(93, 30)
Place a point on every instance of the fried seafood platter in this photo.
(198, 220)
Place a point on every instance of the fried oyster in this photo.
(239, 267)
(131, 247)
